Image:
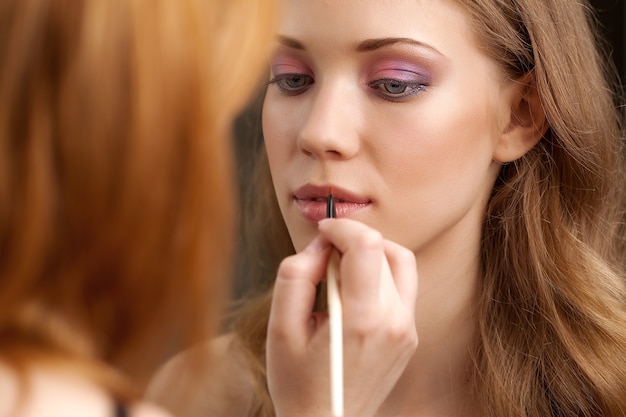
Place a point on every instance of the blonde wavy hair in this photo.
(116, 199)
(552, 309)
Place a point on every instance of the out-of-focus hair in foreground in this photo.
(116, 201)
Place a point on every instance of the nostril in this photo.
(307, 152)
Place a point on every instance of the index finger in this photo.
(362, 259)
(294, 293)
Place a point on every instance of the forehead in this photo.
(344, 23)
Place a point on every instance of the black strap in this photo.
(120, 410)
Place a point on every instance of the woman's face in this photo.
(393, 105)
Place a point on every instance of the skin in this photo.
(416, 162)
(55, 391)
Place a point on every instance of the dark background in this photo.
(612, 15)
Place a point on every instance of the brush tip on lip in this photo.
(330, 205)
(313, 192)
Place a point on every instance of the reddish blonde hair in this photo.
(116, 199)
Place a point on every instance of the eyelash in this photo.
(282, 80)
(380, 86)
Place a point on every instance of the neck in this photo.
(435, 380)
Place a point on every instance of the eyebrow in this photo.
(290, 43)
(367, 45)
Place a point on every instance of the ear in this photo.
(527, 121)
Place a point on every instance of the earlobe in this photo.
(527, 121)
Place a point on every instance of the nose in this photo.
(330, 129)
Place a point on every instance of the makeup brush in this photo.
(335, 322)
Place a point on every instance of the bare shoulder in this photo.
(223, 387)
(53, 392)
(144, 409)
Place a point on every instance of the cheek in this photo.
(440, 161)
(432, 145)
(275, 135)
(437, 170)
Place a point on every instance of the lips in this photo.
(311, 201)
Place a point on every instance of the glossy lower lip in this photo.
(315, 210)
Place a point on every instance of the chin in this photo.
(300, 239)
